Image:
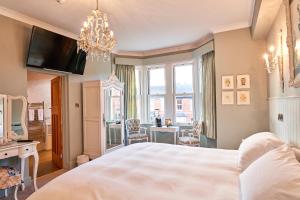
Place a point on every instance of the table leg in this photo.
(175, 136)
(151, 136)
(35, 168)
(115, 135)
(22, 173)
(109, 135)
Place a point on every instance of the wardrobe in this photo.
(103, 116)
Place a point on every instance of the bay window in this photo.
(171, 92)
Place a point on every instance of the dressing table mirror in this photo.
(3, 118)
(16, 117)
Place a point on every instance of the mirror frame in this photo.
(11, 135)
(4, 115)
(293, 82)
(113, 82)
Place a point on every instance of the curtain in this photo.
(209, 95)
(126, 74)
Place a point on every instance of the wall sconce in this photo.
(271, 60)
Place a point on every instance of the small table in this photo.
(164, 129)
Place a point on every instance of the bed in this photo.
(148, 171)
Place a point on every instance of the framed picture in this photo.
(227, 83)
(294, 51)
(243, 97)
(243, 81)
(228, 98)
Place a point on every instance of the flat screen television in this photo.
(48, 50)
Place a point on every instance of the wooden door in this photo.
(56, 117)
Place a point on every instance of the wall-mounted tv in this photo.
(48, 50)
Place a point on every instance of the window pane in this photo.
(157, 106)
(138, 81)
(138, 106)
(184, 109)
(184, 79)
(138, 92)
(157, 83)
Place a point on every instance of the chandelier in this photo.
(96, 39)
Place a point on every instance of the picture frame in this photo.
(292, 9)
(243, 98)
(227, 97)
(227, 82)
(243, 81)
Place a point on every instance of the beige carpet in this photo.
(41, 181)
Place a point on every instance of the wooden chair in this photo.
(191, 137)
(133, 130)
(10, 177)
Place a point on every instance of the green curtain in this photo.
(126, 74)
(209, 95)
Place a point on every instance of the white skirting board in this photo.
(288, 129)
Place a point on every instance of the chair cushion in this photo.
(188, 140)
(137, 136)
(9, 177)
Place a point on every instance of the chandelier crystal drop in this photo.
(96, 39)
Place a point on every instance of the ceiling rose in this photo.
(96, 38)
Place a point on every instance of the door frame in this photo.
(65, 112)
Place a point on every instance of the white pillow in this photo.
(297, 153)
(255, 146)
(274, 176)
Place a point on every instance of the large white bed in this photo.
(149, 171)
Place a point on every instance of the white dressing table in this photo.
(23, 151)
(13, 128)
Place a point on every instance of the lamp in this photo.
(271, 59)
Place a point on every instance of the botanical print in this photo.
(243, 82)
(227, 83)
(243, 97)
(228, 98)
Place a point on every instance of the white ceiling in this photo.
(143, 25)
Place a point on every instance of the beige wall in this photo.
(14, 40)
(236, 53)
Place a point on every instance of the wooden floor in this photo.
(46, 165)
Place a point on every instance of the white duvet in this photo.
(149, 171)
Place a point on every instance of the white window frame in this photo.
(154, 95)
(191, 62)
(139, 69)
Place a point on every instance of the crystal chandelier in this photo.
(96, 39)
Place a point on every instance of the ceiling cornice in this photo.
(231, 27)
(34, 22)
(166, 51)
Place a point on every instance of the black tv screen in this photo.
(48, 50)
